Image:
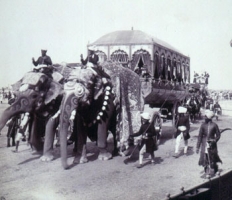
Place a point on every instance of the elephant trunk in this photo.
(20, 106)
(69, 103)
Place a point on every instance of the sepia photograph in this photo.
(115, 100)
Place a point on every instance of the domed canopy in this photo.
(130, 37)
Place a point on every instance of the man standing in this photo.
(23, 128)
(209, 134)
(182, 132)
(148, 143)
(217, 106)
(43, 59)
(217, 109)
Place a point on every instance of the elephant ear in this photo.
(54, 90)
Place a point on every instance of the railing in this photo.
(217, 188)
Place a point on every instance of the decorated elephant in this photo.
(101, 104)
(36, 93)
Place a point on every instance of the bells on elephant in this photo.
(103, 113)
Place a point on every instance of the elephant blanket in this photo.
(129, 100)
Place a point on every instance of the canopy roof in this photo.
(130, 37)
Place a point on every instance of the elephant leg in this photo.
(102, 136)
(115, 150)
(8, 141)
(35, 138)
(102, 142)
(49, 139)
(73, 137)
(80, 132)
(13, 140)
(84, 158)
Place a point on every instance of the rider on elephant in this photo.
(43, 59)
(92, 61)
(43, 64)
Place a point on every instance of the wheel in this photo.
(175, 113)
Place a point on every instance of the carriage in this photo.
(164, 71)
(199, 88)
(195, 101)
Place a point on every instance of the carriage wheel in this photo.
(158, 127)
(175, 113)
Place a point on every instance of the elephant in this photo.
(37, 93)
(101, 104)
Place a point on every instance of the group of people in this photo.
(206, 145)
(203, 78)
(208, 136)
(18, 129)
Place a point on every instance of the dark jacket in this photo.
(148, 132)
(43, 60)
(13, 125)
(183, 120)
(208, 131)
(216, 105)
(91, 58)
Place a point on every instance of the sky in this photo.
(200, 29)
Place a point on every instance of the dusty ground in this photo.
(24, 176)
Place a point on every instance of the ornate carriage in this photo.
(164, 71)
